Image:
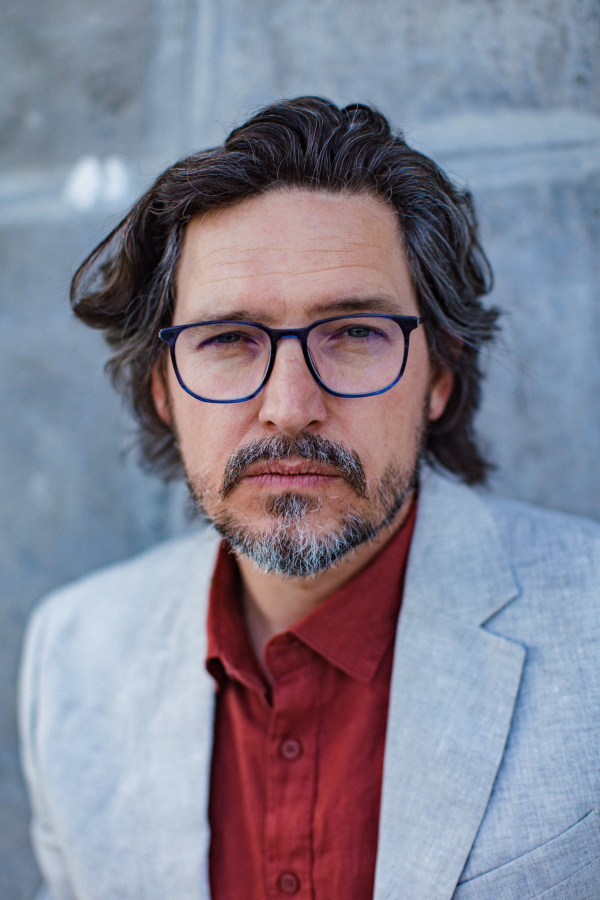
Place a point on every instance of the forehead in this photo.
(288, 252)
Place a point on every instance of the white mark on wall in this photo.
(93, 182)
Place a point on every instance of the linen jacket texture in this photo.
(491, 783)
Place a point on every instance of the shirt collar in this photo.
(352, 629)
(229, 648)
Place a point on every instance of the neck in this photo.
(274, 603)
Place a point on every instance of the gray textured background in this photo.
(97, 97)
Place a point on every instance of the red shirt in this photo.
(297, 768)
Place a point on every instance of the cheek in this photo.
(383, 430)
(396, 442)
(208, 433)
(396, 418)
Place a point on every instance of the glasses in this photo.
(348, 356)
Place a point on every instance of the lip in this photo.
(290, 474)
(291, 482)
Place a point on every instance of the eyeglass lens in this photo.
(225, 361)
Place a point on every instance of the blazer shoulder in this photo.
(527, 532)
(552, 547)
(120, 597)
(516, 519)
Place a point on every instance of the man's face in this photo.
(295, 464)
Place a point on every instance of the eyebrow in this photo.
(237, 315)
(357, 304)
(347, 305)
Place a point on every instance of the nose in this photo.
(291, 399)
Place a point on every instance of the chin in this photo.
(294, 541)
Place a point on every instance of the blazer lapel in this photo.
(171, 735)
(454, 686)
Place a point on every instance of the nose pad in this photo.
(287, 337)
(293, 337)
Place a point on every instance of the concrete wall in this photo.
(97, 97)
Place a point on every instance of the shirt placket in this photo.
(291, 769)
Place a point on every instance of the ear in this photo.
(160, 391)
(442, 383)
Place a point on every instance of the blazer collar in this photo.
(454, 685)
(457, 562)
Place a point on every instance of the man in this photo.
(296, 318)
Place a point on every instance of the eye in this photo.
(226, 339)
(358, 331)
(239, 343)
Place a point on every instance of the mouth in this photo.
(300, 463)
(291, 474)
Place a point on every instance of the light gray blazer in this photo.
(492, 772)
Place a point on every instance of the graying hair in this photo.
(293, 549)
(126, 287)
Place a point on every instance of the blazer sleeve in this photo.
(46, 845)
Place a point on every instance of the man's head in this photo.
(295, 476)
(307, 212)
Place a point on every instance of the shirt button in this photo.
(290, 748)
(288, 882)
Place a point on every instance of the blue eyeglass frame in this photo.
(406, 323)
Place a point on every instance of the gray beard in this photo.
(291, 547)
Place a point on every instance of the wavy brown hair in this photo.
(126, 286)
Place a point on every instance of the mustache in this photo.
(311, 447)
